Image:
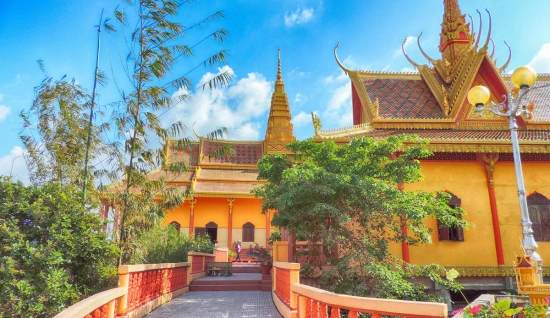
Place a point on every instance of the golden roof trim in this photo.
(389, 75)
(226, 165)
(224, 195)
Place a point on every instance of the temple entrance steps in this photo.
(246, 276)
(246, 268)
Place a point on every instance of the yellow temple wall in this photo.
(248, 210)
(211, 210)
(180, 215)
(536, 178)
(467, 181)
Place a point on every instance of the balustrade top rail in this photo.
(297, 300)
(91, 303)
(369, 305)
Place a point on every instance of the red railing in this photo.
(148, 285)
(282, 285)
(294, 299)
(141, 289)
(104, 311)
(101, 305)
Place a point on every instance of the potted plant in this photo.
(231, 254)
(265, 258)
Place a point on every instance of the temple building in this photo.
(222, 204)
(472, 157)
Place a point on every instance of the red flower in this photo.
(474, 310)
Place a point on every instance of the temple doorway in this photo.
(212, 231)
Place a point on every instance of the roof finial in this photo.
(455, 32)
(279, 73)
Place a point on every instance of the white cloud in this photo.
(241, 107)
(346, 119)
(4, 110)
(296, 73)
(408, 41)
(300, 16)
(301, 119)
(339, 106)
(13, 164)
(300, 99)
(541, 60)
(407, 69)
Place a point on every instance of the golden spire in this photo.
(455, 34)
(279, 130)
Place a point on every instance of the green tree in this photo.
(346, 202)
(55, 132)
(152, 47)
(52, 250)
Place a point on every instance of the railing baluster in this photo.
(322, 310)
(335, 312)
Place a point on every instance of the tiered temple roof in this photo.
(235, 175)
(432, 102)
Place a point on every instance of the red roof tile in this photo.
(171, 176)
(403, 98)
(188, 155)
(541, 97)
(245, 153)
(465, 135)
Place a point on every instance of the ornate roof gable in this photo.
(436, 95)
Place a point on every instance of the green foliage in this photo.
(203, 244)
(504, 308)
(162, 244)
(153, 47)
(53, 252)
(346, 200)
(55, 132)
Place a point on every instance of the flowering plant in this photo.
(502, 308)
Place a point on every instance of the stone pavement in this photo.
(218, 304)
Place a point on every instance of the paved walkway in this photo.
(218, 304)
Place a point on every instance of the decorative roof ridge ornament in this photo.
(480, 28)
(486, 46)
(493, 51)
(345, 69)
(417, 66)
(503, 67)
(194, 132)
(422, 51)
(317, 125)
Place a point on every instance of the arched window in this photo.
(453, 233)
(248, 232)
(176, 225)
(539, 213)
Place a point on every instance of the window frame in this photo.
(453, 233)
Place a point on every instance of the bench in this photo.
(219, 268)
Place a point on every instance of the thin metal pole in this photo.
(92, 109)
(528, 242)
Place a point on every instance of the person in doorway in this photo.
(238, 251)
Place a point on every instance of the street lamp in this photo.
(523, 78)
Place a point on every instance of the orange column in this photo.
(404, 246)
(192, 215)
(489, 169)
(267, 227)
(230, 224)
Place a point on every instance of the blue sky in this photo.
(370, 33)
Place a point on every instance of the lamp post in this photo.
(523, 78)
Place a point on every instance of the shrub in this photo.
(53, 252)
(162, 244)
